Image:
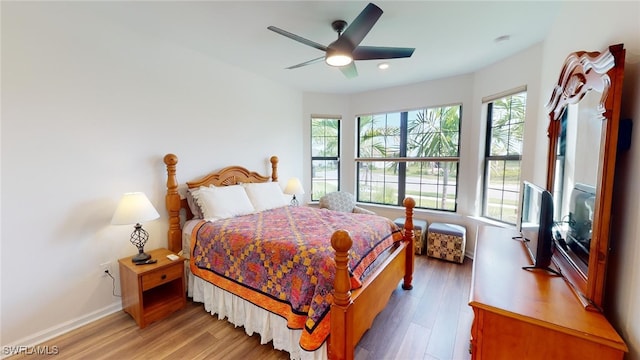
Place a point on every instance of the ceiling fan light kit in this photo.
(342, 52)
(338, 59)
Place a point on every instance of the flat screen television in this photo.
(536, 225)
(581, 208)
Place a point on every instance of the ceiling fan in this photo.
(342, 52)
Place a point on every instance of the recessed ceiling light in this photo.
(383, 66)
(502, 38)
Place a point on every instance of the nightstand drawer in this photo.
(161, 276)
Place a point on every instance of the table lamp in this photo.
(135, 208)
(294, 187)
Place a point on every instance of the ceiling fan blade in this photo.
(379, 52)
(298, 38)
(312, 61)
(359, 28)
(349, 71)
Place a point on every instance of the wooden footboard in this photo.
(352, 313)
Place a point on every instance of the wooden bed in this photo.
(352, 312)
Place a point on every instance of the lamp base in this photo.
(140, 258)
(294, 201)
(139, 237)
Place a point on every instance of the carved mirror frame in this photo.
(583, 72)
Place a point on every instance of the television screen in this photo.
(581, 209)
(536, 223)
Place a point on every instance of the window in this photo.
(411, 153)
(503, 157)
(325, 156)
(561, 155)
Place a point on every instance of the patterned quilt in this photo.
(282, 260)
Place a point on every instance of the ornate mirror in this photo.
(584, 113)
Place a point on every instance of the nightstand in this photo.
(153, 291)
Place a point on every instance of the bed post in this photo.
(341, 334)
(409, 204)
(274, 168)
(172, 200)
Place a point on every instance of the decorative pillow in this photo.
(265, 196)
(221, 202)
(193, 205)
(338, 201)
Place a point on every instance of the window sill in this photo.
(392, 211)
(486, 221)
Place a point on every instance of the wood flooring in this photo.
(432, 321)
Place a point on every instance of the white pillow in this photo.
(221, 202)
(265, 196)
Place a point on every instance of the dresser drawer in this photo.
(161, 276)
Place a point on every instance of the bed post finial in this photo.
(172, 201)
(274, 168)
(409, 204)
(341, 242)
(341, 344)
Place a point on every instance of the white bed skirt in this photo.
(254, 319)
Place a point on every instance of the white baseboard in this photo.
(54, 331)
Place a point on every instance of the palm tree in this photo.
(435, 133)
(374, 139)
(507, 129)
(507, 125)
(377, 139)
(324, 137)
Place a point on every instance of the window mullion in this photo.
(402, 166)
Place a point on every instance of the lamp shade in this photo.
(134, 208)
(293, 187)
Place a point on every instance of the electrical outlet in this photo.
(105, 268)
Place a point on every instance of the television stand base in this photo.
(547, 269)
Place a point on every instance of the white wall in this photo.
(88, 114)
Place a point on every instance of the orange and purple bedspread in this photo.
(282, 260)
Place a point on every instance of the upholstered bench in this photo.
(419, 231)
(446, 241)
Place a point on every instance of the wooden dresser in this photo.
(522, 314)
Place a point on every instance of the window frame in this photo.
(403, 159)
(335, 158)
(488, 158)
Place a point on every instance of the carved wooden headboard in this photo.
(230, 175)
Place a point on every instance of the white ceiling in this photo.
(450, 37)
